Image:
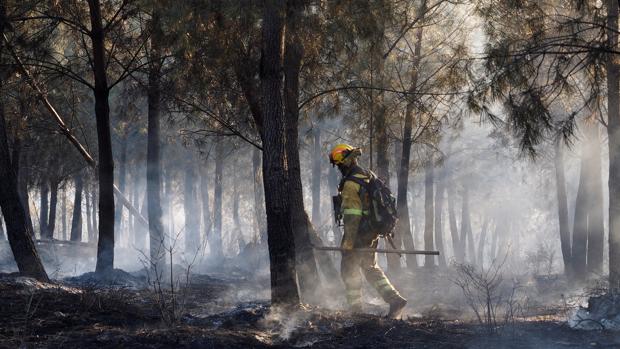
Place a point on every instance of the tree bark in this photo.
(560, 182)
(2, 233)
(105, 245)
(51, 221)
(76, 220)
(89, 222)
(157, 243)
(596, 230)
(439, 199)
(216, 241)
(580, 225)
(43, 208)
(457, 245)
(259, 198)
(22, 182)
(307, 275)
(613, 132)
(466, 238)
(482, 241)
(20, 238)
(280, 239)
(429, 220)
(190, 207)
(316, 178)
(122, 178)
(63, 210)
(204, 196)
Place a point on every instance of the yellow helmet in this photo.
(339, 153)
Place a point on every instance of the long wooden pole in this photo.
(376, 250)
(66, 131)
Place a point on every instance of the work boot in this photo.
(397, 304)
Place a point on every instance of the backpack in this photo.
(382, 215)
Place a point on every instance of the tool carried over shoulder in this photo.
(375, 250)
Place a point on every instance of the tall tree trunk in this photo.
(2, 233)
(204, 197)
(259, 198)
(63, 210)
(466, 231)
(157, 243)
(332, 181)
(89, 213)
(190, 207)
(20, 238)
(409, 240)
(280, 239)
(482, 241)
(122, 178)
(307, 275)
(51, 221)
(596, 230)
(580, 225)
(404, 222)
(613, 132)
(238, 234)
(22, 183)
(76, 221)
(439, 198)
(316, 178)
(429, 220)
(43, 209)
(560, 182)
(457, 245)
(105, 245)
(216, 241)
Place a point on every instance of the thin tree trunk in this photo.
(2, 233)
(76, 221)
(281, 239)
(580, 225)
(457, 246)
(439, 199)
(190, 207)
(23, 179)
(259, 198)
(206, 210)
(429, 220)
(51, 221)
(105, 245)
(466, 238)
(63, 210)
(20, 238)
(122, 178)
(43, 209)
(332, 179)
(317, 160)
(613, 132)
(560, 183)
(596, 230)
(157, 243)
(482, 241)
(216, 241)
(89, 212)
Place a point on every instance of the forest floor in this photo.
(226, 311)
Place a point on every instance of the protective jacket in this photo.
(357, 234)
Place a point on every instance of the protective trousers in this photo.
(355, 263)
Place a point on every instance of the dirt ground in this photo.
(226, 312)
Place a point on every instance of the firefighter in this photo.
(357, 234)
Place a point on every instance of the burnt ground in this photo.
(221, 312)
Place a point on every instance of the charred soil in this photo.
(216, 315)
